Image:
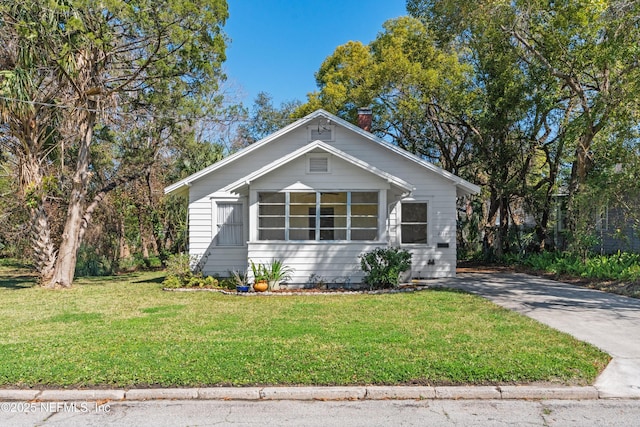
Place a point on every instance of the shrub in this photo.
(172, 282)
(91, 263)
(382, 266)
(227, 283)
(131, 264)
(179, 274)
(153, 262)
(620, 266)
(179, 266)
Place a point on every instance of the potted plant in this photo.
(260, 280)
(276, 272)
(241, 279)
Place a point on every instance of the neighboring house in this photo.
(318, 193)
(616, 232)
(613, 230)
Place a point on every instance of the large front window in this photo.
(346, 215)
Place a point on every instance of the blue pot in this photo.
(242, 288)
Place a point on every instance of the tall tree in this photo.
(94, 56)
(580, 63)
(30, 116)
(457, 105)
(412, 86)
(264, 118)
(591, 48)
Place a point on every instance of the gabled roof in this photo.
(463, 186)
(391, 179)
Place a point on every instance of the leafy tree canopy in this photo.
(135, 71)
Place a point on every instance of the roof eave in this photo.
(241, 153)
(391, 179)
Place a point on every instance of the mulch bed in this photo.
(629, 289)
(307, 291)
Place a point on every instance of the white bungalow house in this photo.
(317, 194)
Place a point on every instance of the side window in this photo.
(230, 227)
(413, 222)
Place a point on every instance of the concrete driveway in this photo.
(609, 322)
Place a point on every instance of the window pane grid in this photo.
(413, 223)
(318, 216)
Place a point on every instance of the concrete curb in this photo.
(77, 395)
(456, 393)
(314, 393)
(547, 393)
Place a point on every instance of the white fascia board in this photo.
(462, 184)
(186, 182)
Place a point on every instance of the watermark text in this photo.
(70, 407)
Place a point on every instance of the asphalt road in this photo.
(617, 413)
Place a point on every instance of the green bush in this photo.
(172, 282)
(131, 264)
(227, 283)
(382, 266)
(180, 275)
(153, 262)
(91, 263)
(179, 266)
(620, 266)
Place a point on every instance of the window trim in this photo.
(218, 226)
(426, 224)
(347, 229)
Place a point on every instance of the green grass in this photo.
(125, 331)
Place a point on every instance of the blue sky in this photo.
(277, 45)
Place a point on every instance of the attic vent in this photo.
(318, 164)
(321, 132)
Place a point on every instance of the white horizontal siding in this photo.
(342, 176)
(331, 261)
(243, 166)
(444, 262)
(200, 227)
(219, 261)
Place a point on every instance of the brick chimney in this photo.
(364, 119)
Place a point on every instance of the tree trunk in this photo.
(123, 248)
(154, 238)
(43, 248)
(579, 171)
(502, 244)
(144, 241)
(65, 266)
(490, 232)
(44, 254)
(542, 230)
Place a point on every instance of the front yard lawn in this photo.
(125, 331)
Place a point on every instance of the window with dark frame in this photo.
(413, 223)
